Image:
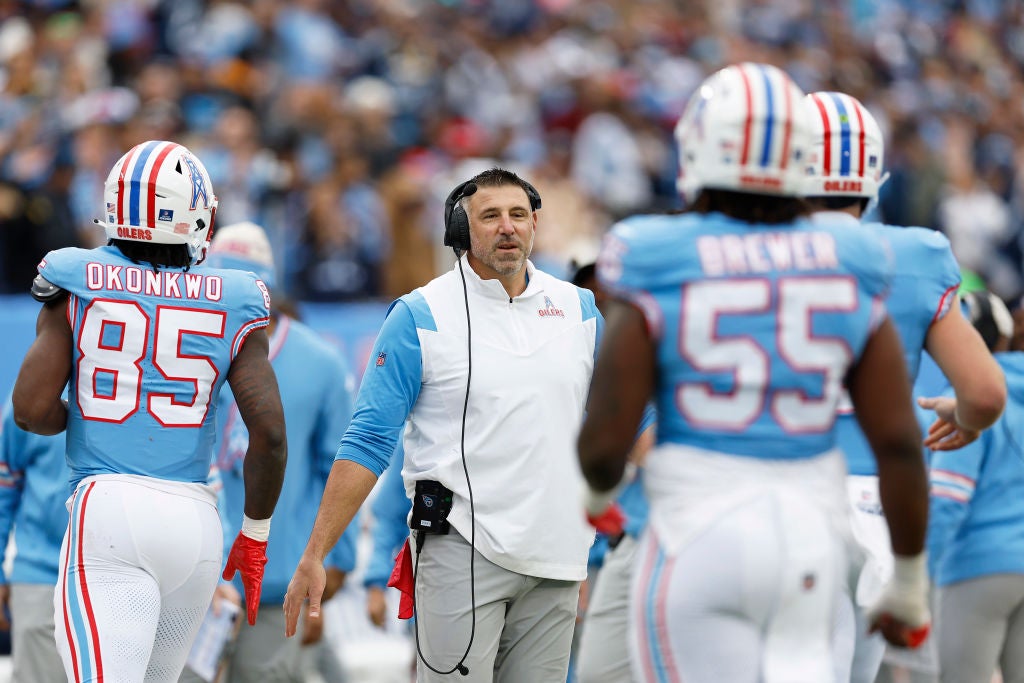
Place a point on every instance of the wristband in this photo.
(256, 529)
(596, 502)
(911, 572)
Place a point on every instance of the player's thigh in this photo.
(106, 606)
(537, 638)
(34, 648)
(797, 638)
(604, 643)
(971, 622)
(1011, 661)
(695, 615)
(749, 599)
(445, 608)
(187, 574)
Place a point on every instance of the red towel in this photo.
(402, 579)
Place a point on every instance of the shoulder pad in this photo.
(44, 291)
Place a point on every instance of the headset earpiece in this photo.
(456, 222)
(533, 195)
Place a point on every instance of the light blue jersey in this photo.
(755, 325)
(976, 521)
(152, 348)
(33, 490)
(923, 288)
(316, 392)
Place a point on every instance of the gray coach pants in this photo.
(980, 624)
(604, 644)
(524, 624)
(33, 648)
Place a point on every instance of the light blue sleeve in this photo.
(59, 266)
(941, 276)
(13, 447)
(589, 309)
(390, 509)
(953, 475)
(390, 387)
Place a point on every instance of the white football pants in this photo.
(139, 565)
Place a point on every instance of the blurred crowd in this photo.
(341, 126)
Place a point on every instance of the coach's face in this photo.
(501, 230)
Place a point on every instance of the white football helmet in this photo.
(160, 192)
(745, 129)
(243, 246)
(847, 152)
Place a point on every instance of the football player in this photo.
(742, 320)
(145, 340)
(845, 164)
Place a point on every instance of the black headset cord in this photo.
(421, 537)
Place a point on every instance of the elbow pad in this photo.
(44, 291)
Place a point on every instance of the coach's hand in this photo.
(308, 581)
(901, 614)
(248, 557)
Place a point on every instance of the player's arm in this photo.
(254, 386)
(974, 374)
(258, 398)
(622, 384)
(880, 390)
(883, 404)
(45, 370)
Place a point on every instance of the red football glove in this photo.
(611, 522)
(248, 557)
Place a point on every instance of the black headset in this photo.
(456, 222)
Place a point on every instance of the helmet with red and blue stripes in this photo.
(847, 152)
(745, 129)
(159, 192)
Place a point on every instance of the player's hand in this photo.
(376, 605)
(5, 603)
(945, 434)
(335, 580)
(611, 522)
(901, 614)
(224, 592)
(308, 581)
(248, 557)
(312, 629)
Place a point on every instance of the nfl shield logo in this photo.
(381, 357)
(166, 215)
